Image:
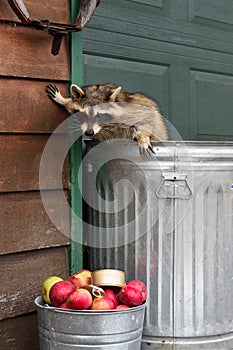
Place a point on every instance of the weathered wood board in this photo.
(20, 163)
(26, 53)
(25, 225)
(27, 108)
(32, 248)
(19, 333)
(22, 275)
(55, 10)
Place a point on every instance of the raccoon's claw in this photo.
(146, 152)
(143, 139)
(52, 91)
(151, 149)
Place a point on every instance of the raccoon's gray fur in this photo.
(106, 111)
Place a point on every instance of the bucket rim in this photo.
(40, 304)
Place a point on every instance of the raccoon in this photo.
(107, 112)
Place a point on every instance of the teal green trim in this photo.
(75, 156)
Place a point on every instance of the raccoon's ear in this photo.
(115, 93)
(76, 91)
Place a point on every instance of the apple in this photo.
(130, 296)
(64, 305)
(103, 303)
(47, 285)
(79, 299)
(80, 278)
(60, 291)
(109, 293)
(121, 307)
(140, 286)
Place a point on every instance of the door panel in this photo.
(157, 3)
(211, 101)
(218, 12)
(152, 80)
(179, 53)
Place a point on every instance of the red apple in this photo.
(140, 286)
(80, 278)
(60, 291)
(103, 303)
(121, 307)
(64, 305)
(80, 299)
(130, 296)
(109, 293)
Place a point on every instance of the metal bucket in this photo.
(179, 240)
(74, 330)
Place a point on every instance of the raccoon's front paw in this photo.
(53, 92)
(146, 151)
(143, 139)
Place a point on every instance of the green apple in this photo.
(47, 285)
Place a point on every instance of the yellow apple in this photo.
(47, 285)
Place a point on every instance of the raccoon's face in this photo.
(91, 121)
(93, 95)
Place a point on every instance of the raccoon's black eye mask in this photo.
(100, 118)
(82, 117)
(103, 118)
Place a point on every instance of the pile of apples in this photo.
(77, 293)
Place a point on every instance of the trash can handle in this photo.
(174, 186)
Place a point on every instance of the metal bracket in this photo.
(57, 40)
(174, 186)
(57, 30)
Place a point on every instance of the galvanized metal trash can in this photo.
(172, 227)
(60, 329)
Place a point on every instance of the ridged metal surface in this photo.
(76, 330)
(185, 257)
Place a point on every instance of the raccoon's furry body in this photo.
(106, 111)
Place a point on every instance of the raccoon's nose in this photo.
(89, 132)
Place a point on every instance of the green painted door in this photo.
(179, 52)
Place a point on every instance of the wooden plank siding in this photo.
(21, 276)
(55, 10)
(33, 112)
(25, 48)
(31, 246)
(20, 157)
(26, 335)
(25, 225)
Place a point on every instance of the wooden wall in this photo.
(31, 248)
